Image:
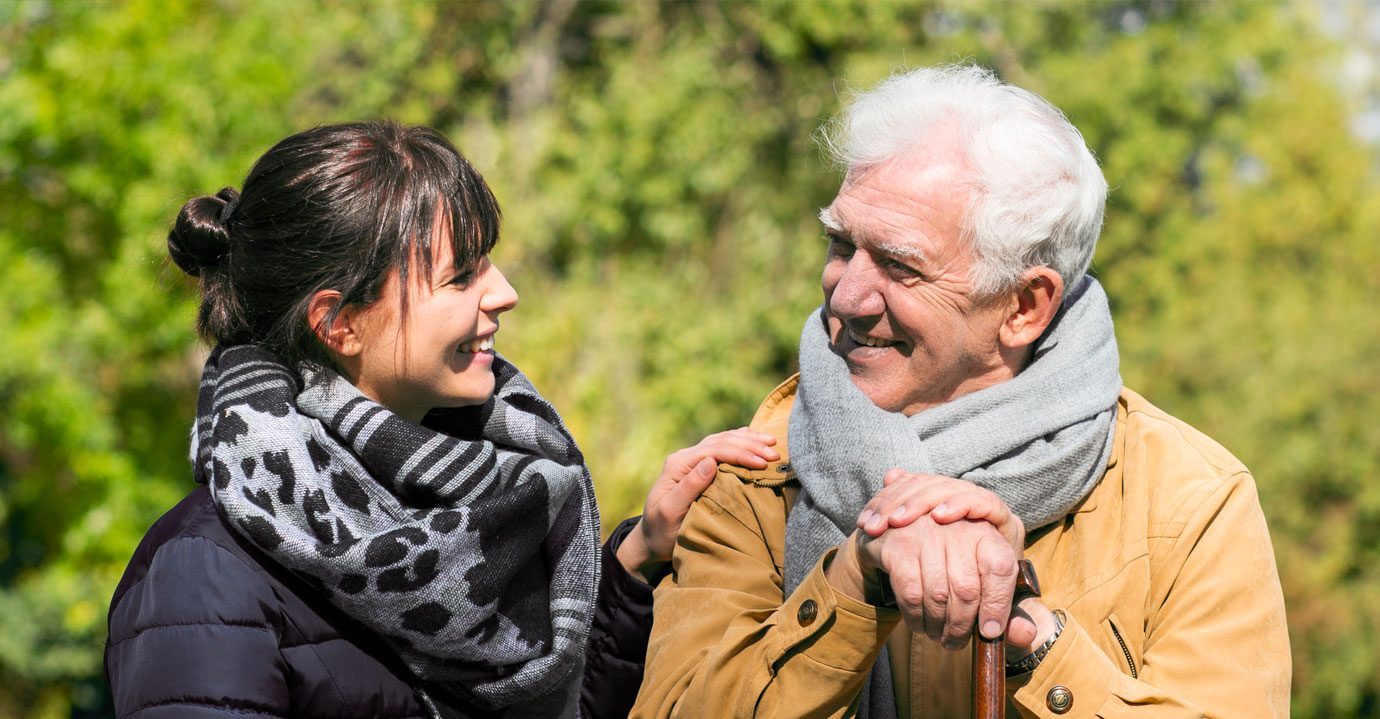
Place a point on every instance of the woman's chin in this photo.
(476, 392)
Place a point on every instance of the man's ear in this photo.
(1032, 307)
(339, 337)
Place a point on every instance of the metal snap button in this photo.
(1059, 700)
(808, 611)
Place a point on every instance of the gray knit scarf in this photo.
(469, 545)
(1039, 440)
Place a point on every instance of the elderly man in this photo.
(961, 341)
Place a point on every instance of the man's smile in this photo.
(868, 340)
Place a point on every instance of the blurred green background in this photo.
(659, 177)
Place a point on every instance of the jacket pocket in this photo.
(1121, 639)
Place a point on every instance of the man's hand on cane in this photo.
(949, 550)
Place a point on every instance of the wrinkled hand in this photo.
(950, 550)
(905, 497)
(947, 577)
(686, 474)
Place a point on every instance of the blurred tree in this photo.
(660, 181)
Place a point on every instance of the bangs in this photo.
(440, 195)
(471, 217)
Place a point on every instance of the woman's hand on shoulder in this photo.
(686, 474)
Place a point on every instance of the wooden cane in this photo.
(989, 655)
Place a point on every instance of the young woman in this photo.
(390, 520)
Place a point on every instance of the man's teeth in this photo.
(866, 341)
(476, 346)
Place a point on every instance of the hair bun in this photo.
(199, 239)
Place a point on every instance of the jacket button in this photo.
(808, 611)
(1059, 699)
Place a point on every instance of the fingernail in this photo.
(705, 467)
(875, 522)
(940, 509)
(899, 512)
(991, 629)
(862, 518)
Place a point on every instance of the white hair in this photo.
(1037, 192)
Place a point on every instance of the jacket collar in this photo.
(772, 418)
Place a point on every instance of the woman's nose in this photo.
(499, 295)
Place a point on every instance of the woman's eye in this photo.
(462, 279)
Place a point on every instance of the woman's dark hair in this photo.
(335, 207)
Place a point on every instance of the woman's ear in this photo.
(339, 336)
(1033, 306)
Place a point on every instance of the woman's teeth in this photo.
(866, 341)
(477, 346)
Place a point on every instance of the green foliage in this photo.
(657, 167)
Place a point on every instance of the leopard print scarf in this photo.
(469, 544)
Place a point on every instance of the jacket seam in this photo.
(263, 574)
(1103, 578)
(312, 645)
(725, 510)
(313, 642)
(256, 571)
(1221, 472)
(1221, 483)
(1213, 508)
(170, 625)
(232, 553)
(234, 550)
(207, 704)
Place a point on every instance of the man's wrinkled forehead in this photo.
(908, 175)
(937, 159)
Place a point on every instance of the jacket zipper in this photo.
(1125, 650)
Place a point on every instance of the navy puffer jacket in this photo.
(204, 625)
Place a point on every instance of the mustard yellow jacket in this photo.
(1165, 572)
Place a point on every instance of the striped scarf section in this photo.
(468, 544)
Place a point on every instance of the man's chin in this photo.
(880, 392)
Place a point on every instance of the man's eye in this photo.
(838, 247)
(899, 268)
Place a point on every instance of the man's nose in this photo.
(857, 293)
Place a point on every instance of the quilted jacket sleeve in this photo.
(618, 640)
(197, 636)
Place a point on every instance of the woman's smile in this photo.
(478, 345)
